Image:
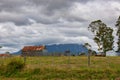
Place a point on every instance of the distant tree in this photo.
(82, 54)
(93, 53)
(103, 35)
(7, 52)
(88, 46)
(0, 46)
(118, 33)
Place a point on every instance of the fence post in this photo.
(88, 57)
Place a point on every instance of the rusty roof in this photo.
(33, 48)
(1, 55)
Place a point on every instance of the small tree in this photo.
(88, 46)
(103, 35)
(118, 33)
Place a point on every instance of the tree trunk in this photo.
(104, 53)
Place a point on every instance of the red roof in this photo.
(33, 48)
(2, 55)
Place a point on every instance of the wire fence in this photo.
(63, 61)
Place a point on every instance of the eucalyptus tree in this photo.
(118, 33)
(103, 36)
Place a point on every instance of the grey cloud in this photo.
(75, 32)
(47, 11)
(50, 6)
(72, 18)
(11, 11)
(18, 20)
(34, 22)
(11, 5)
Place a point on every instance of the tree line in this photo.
(103, 35)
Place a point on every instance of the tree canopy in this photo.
(118, 33)
(102, 35)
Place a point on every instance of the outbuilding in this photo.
(33, 51)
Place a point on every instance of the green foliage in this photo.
(16, 64)
(92, 52)
(13, 66)
(118, 33)
(103, 35)
(87, 45)
(57, 68)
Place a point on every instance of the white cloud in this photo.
(62, 21)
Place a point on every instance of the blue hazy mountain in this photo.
(17, 53)
(61, 48)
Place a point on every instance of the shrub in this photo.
(13, 66)
(1, 69)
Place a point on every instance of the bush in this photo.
(13, 66)
(1, 69)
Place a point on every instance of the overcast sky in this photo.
(34, 22)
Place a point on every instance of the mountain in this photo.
(18, 52)
(74, 49)
(61, 48)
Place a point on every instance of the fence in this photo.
(61, 61)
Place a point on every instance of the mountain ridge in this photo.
(74, 49)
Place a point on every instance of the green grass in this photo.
(66, 68)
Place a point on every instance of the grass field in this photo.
(66, 68)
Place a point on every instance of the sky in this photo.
(35, 22)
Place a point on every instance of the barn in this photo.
(5, 55)
(33, 51)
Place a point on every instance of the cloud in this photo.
(34, 22)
